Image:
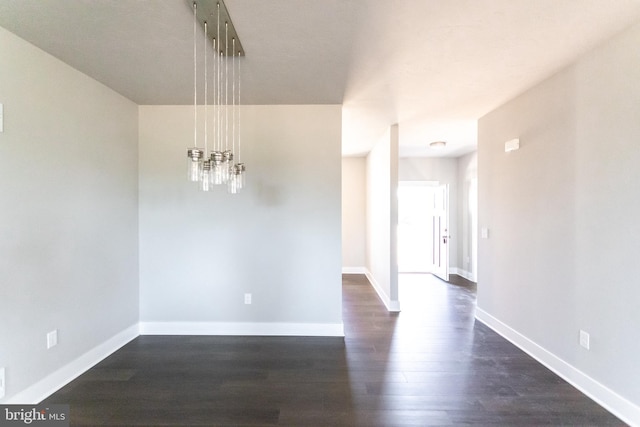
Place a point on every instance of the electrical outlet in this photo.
(247, 298)
(52, 339)
(3, 386)
(584, 339)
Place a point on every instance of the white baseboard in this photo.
(242, 328)
(607, 398)
(463, 273)
(354, 270)
(55, 381)
(392, 306)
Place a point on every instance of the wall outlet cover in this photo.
(52, 339)
(585, 339)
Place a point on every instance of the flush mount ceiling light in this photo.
(212, 162)
(438, 144)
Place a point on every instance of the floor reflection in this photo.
(431, 364)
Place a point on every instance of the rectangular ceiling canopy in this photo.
(207, 10)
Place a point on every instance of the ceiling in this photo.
(432, 66)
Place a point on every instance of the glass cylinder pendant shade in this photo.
(211, 176)
(230, 165)
(216, 167)
(240, 177)
(236, 178)
(205, 182)
(232, 184)
(227, 165)
(194, 164)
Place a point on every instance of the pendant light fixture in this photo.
(217, 167)
(205, 178)
(237, 171)
(195, 156)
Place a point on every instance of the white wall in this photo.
(563, 217)
(467, 221)
(279, 239)
(68, 216)
(445, 171)
(382, 218)
(354, 204)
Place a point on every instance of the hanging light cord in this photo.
(206, 115)
(226, 85)
(215, 44)
(233, 95)
(218, 53)
(239, 110)
(195, 76)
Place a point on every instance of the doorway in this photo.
(423, 228)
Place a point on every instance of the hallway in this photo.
(445, 368)
(431, 364)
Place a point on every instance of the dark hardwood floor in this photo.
(432, 364)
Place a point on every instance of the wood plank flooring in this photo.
(432, 364)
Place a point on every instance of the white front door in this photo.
(441, 234)
(415, 230)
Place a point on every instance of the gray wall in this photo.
(279, 239)
(563, 214)
(382, 218)
(354, 205)
(467, 220)
(68, 213)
